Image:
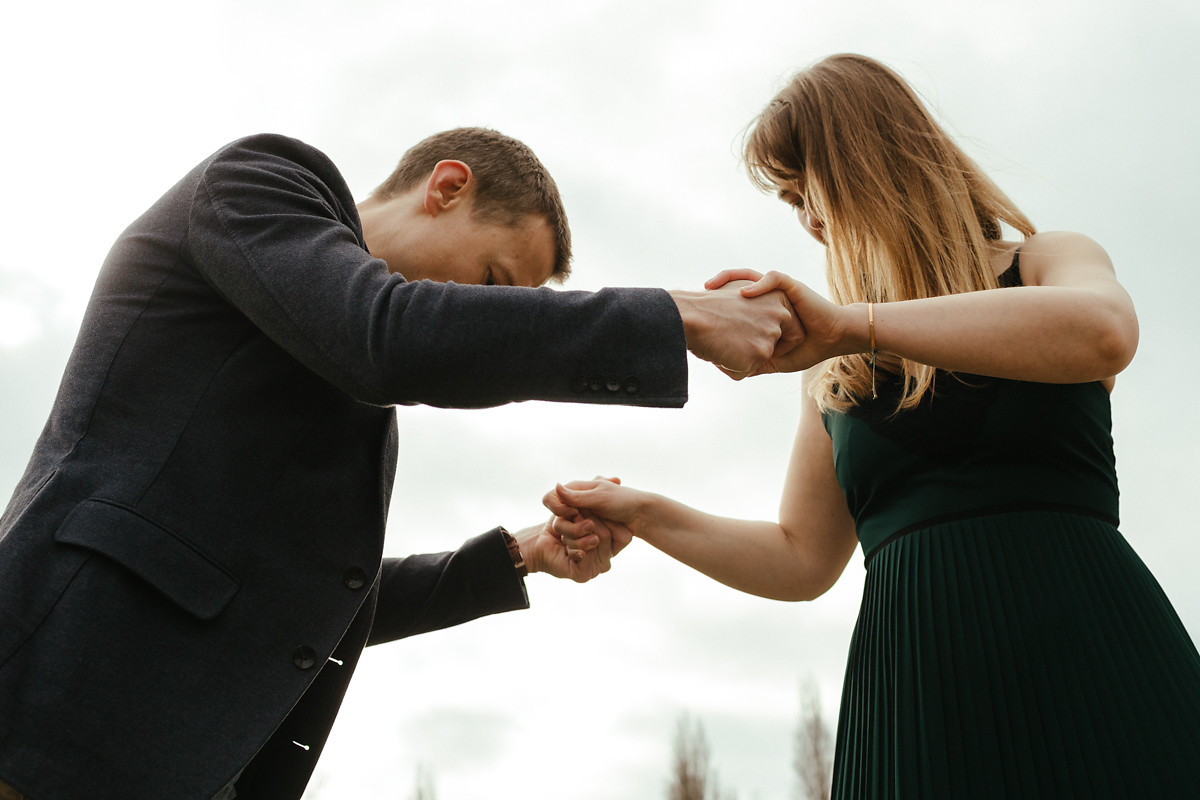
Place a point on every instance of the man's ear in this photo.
(447, 186)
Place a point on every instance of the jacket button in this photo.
(596, 383)
(354, 578)
(304, 657)
(579, 384)
(614, 383)
(632, 386)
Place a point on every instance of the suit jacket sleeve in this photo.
(274, 229)
(422, 593)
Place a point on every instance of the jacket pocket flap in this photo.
(153, 553)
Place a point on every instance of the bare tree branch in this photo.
(424, 788)
(813, 758)
(692, 775)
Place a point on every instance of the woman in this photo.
(957, 425)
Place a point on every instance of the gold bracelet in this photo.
(871, 324)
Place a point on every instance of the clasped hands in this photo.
(573, 544)
(577, 542)
(751, 324)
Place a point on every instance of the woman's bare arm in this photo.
(1072, 322)
(797, 558)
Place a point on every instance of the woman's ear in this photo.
(449, 182)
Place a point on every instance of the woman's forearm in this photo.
(1071, 321)
(757, 557)
(1050, 334)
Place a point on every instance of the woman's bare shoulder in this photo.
(1050, 253)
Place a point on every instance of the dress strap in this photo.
(1012, 276)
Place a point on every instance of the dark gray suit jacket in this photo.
(200, 528)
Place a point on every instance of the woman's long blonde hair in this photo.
(907, 214)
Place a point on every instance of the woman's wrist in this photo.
(859, 328)
(650, 516)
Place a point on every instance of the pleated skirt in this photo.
(1019, 655)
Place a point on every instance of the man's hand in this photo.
(739, 334)
(543, 550)
(828, 329)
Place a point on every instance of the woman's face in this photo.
(794, 196)
(812, 224)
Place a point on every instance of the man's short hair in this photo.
(510, 182)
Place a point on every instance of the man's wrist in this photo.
(520, 551)
(685, 305)
(701, 321)
(514, 552)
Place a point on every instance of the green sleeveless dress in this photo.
(1010, 643)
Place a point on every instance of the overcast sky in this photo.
(1084, 112)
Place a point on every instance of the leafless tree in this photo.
(424, 788)
(813, 758)
(692, 775)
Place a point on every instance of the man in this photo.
(191, 564)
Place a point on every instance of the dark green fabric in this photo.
(982, 444)
(1010, 643)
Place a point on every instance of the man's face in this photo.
(455, 246)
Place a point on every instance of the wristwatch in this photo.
(514, 551)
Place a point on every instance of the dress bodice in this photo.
(979, 446)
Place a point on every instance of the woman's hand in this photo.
(580, 506)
